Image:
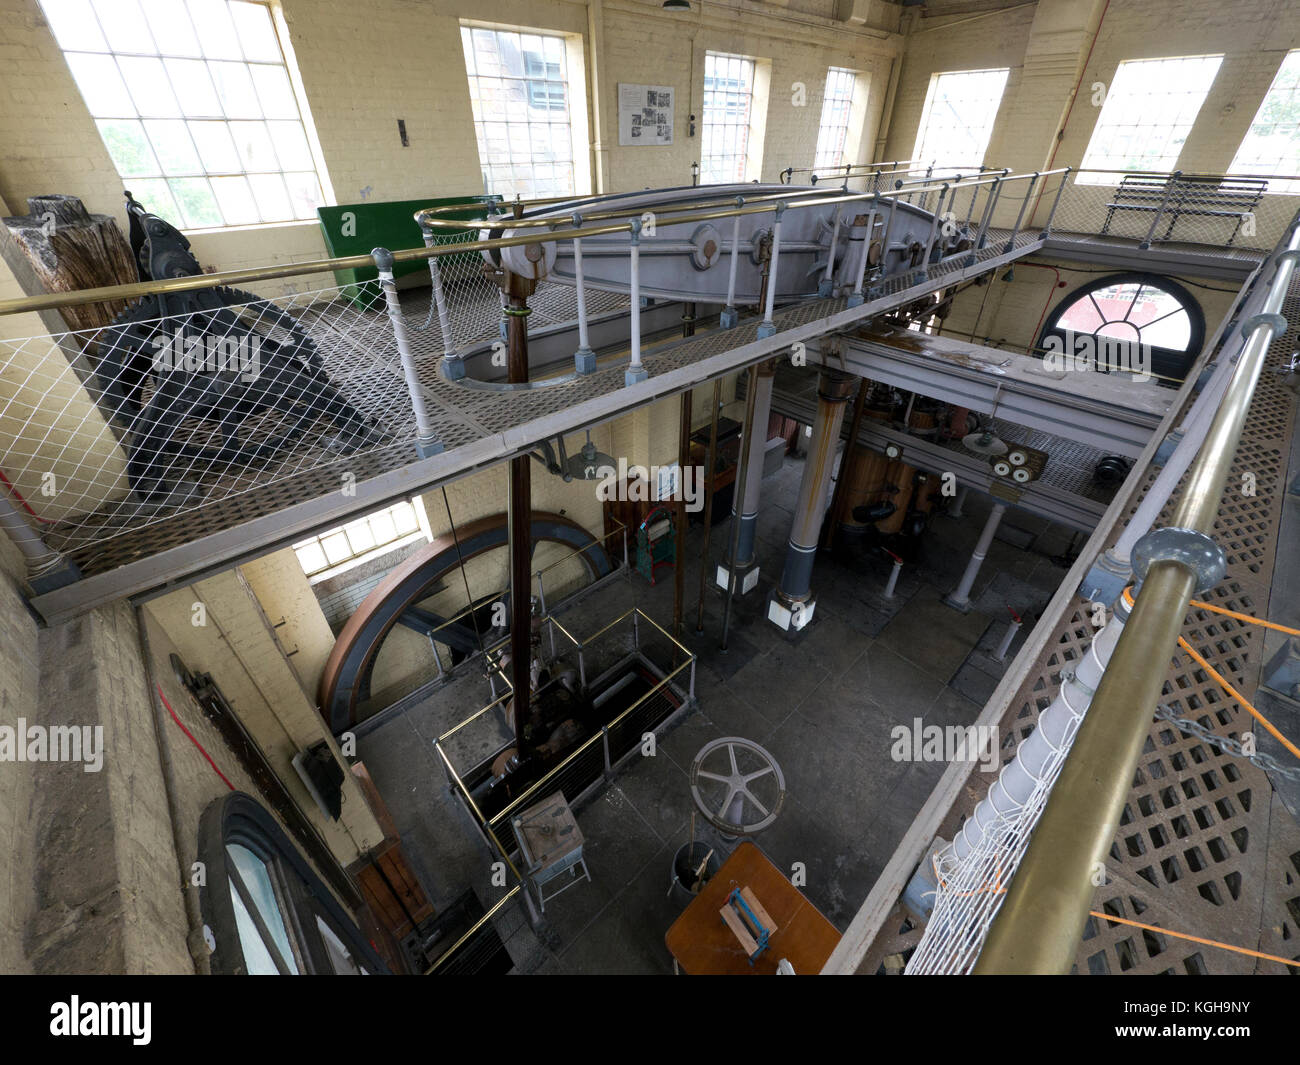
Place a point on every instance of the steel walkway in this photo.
(477, 429)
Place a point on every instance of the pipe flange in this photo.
(1278, 323)
(1195, 550)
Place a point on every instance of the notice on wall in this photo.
(645, 114)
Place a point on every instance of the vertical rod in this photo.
(934, 227)
(1051, 215)
(635, 371)
(679, 548)
(892, 583)
(858, 296)
(729, 313)
(981, 237)
(520, 515)
(440, 301)
(426, 440)
(767, 328)
(709, 473)
(1164, 201)
(1005, 645)
(960, 598)
(746, 443)
(584, 358)
(1020, 216)
(830, 256)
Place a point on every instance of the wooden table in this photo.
(702, 944)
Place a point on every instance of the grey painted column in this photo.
(792, 605)
(746, 570)
(960, 597)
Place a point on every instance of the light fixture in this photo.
(677, 5)
(587, 464)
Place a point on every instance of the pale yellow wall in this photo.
(287, 599)
(237, 648)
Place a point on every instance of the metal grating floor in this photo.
(362, 355)
(1205, 846)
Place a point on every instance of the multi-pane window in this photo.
(837, 103)
(194, 103)
(385, 529)
(519, 91)
(728, 111)
(960, 109)
(1272, 145)
(1147, 115)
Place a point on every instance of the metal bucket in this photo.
(684, 886)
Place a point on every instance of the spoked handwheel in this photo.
(737, 785)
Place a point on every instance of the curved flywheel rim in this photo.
(737, 784)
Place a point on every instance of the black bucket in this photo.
(686, 865)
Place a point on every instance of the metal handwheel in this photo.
(729, 787)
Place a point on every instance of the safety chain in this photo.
(1227, 745)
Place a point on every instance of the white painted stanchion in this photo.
(584, 359)
(636, 373)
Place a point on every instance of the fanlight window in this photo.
(1138, 309)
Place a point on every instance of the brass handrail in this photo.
(55, 300)
(1039, 925)
(473, 928)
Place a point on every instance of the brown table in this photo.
(702, 944)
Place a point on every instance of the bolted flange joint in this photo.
(1195, 550)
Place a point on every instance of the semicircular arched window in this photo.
(1138, 309)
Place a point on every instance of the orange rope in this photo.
(1196, 939)
(1244, 617)
(1239, 697)
(1223, 682)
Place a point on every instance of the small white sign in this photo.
(645, 115)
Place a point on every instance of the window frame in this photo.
(1095, 168)
(572, 81)
(356, 558)
(834, 128)
(745, 168)
(1242, 169)
(1166, 362)
(174, 208)
(947, 164)
(238, 818)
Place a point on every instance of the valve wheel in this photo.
(726, 787)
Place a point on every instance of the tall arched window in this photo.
(1138, 308)
(264, 906)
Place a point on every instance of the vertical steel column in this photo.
(745, 511)
(746, 443)
(426, 440)
(960, 597)
(730, 316)
(796, 578)
(584, 359)
(710, 464)
(839, 498)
